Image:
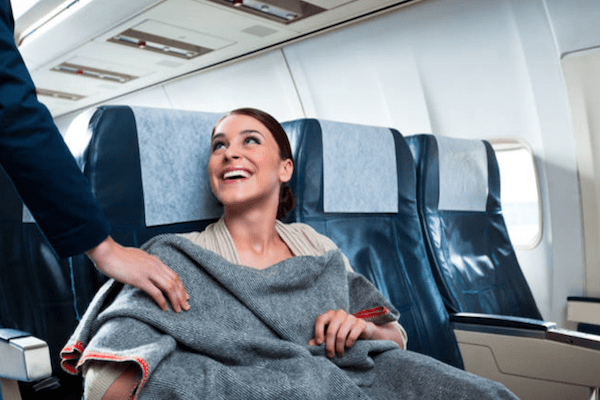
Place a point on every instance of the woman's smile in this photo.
(236, 174)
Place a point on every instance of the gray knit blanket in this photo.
(246, 334)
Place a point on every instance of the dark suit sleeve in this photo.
(37, 159)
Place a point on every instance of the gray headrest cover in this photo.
(463, 175)
(174, 152)
(359, 169)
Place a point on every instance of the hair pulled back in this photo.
(287, 201)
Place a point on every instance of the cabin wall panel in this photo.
(583, 81)
(575, 24)
(263, 82)
(360, 75)
(562, 197)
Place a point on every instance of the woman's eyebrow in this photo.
(217, 135)
(244, 132)
(249, 131)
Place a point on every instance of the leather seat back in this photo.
(357, 185)
(471, 254)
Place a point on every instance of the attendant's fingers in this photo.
(142, 270)
(169, 283)
(154, 292)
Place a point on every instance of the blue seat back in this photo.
(382, 240)
(35, 287)
(471, 254)
(147, 169)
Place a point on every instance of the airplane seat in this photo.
(36, 303)
(498, 326)
(471, 254)
(147, 169)
(356, 185)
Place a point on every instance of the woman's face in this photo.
(245, 167)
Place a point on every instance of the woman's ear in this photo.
(286, 171)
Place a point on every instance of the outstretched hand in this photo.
(137, 268)
(339, 330)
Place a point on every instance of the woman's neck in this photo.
(251, 229)
(256, 239)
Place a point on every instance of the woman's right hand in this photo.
(340, 330)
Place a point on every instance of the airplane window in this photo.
(520, 192)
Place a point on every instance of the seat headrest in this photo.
(359, 169)
(463, 174)
(174, 150)
(148, 166)
(353, 166)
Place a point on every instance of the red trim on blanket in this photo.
(371, 312)
(69, 353)
(73, 352)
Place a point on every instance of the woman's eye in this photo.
(218, 145)
(252, 139)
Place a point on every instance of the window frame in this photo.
(512, 144)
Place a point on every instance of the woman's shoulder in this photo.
(199, 237)
(304, 240)
(215, 238)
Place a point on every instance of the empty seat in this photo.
(499, 327)
(472, 257)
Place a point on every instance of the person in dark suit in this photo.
(47, 177)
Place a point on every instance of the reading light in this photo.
(282, 11)
(158, 44)
(90, 72)
(287, 10)
(59, 95)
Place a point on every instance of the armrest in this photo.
(23, 357)
(502, 323)
(532, 358)
(584, 309)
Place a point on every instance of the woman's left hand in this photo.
(338, 330)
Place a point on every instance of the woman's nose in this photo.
(232, 153)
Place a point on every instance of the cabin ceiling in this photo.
(101, 49)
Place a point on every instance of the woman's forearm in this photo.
(388, 331)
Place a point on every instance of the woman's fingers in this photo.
(338, 330)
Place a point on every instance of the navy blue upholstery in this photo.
(386, 247)
(471, 255)
(113, 169)
(35, 287)
(43, 295)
